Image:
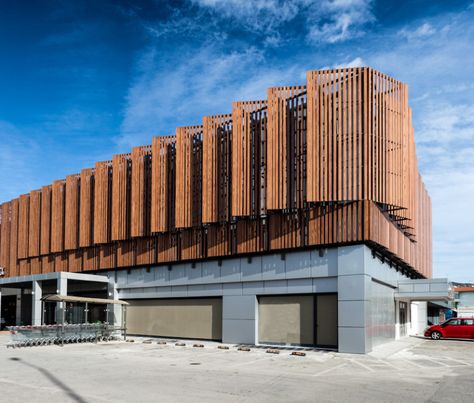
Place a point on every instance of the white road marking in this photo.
(330, 369)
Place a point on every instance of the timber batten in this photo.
(332, 162)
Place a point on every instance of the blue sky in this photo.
(82, 80)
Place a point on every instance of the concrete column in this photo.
(354, 302)
(19, 297)
(1, 317)
(61, 290)
(36, 303)
(115, 311)
(239, 319)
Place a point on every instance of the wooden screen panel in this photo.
(35, 265)
(285, 231)
(107, 255)
(34, 230)
(71, 234)
(249, 236)
(102, 202)
(24, 267)
(218, 240)
(145, 251)
(13, 267)
(249, 121)
(61, 261)
(334, 135)
(216, 168)
(45, 241)
(163, 183)
(47, 264)
(75, 261)
(285, 148)
(188, 176)
(23, 228)
(90, 258)
(121, 165)
(167, 247)
(86, 211)
(126, 253)
(191, 244)
(57, 215)
(5, 234)
(141, 191)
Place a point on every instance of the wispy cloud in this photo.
(423, 31)
(340, 20)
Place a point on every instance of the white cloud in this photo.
(423, 31)
(204, 83)
(340, 20)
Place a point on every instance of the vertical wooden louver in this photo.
(163, 182)
(249, 120)
(5, 218)
(188, 176)
(141, 191)
(216, 166)
(102, 205)
(86, 213)
(327, 164)
(34, 223)
(71, 236)
(57, 216)
(285, 145)
(23, 226)
(121, 196)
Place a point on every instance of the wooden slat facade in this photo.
(329, 163)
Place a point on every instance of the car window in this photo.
(453, 322)
(468, 322)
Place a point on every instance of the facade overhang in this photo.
(434, 289)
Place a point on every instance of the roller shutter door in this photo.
(298, 320)
(286, 319)
(194, 318)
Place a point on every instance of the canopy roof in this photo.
(70, 298)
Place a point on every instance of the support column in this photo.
(36, 304)
(1, 317)
(115, 311)
(354, 290)
(19, 297)
(239, 319)
(61, 290)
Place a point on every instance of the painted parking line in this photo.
(362, 365)
(326, 371)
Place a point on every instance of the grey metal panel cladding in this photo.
(382, 303)
(199, 318)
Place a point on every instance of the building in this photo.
(299, 219)
(464, 300)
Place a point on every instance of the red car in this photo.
(455, 328)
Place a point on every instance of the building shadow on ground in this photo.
(70, 392)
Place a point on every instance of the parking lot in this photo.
(414, 370)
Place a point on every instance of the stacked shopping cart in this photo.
(29, 336)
